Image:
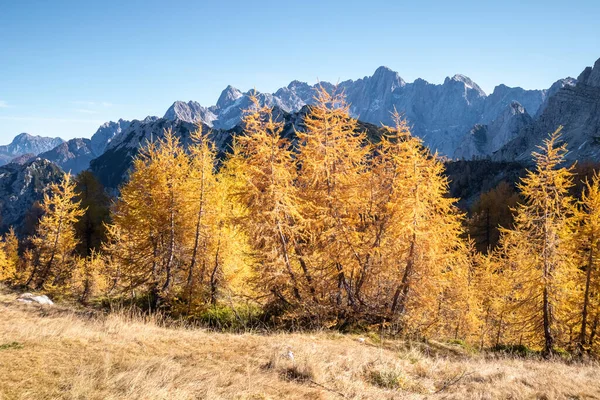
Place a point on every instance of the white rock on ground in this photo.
(29, 298)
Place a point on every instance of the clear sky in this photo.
(68, 66)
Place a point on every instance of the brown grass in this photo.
(62, 353)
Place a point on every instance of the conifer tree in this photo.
(171, 237)
(54, 241)
(588, 243)
(491, 211)
(430, 258)
(90, 276)
(147, 235)
(266, 168)
(5, 271)
(9, 256)
(536, 256)
(332, 159)
(91, 227)
(206, 220)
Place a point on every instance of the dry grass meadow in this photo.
(60, 352)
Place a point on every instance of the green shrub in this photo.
(228, 318)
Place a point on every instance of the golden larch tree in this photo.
(429, 257)
(536, 254)
(54, 241)
(267, 170)
(333, 160)
(9, 255)
(588, 243)
(147, 235)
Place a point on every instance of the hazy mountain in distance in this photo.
(25, 143)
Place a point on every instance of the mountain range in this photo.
(455, 118)
(441, 114)
(25, 143)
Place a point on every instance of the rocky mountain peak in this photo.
(294, 85)
(559, 84)
(590, 75)
(74, 155)
(466, 81)
(485, 139)
(191, 112)
(105, 134)
(387, 78)
(228, 97)
(572, 106)
(27, 140)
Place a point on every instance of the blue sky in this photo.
(68, 66)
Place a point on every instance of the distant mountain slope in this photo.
(112, 167)
(577, 109)
(21, 185)
(483, 140)
(72, 156)
(25, 143)
(105, 133)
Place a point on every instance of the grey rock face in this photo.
(72, 156)
(556, 86)
(483, 140)
(25, 143)
(591, 75)
(21, 186)
(228, 98)
(576, 109)
(503, 96)
(106, 133)
(191, 112)
(507, 126)
(370, 98)
(22, 159)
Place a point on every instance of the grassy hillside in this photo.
(60, 352)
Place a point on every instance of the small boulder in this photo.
(29, 298)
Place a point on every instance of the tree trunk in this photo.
(593, 332)
(307, 274)
(48, 267)
(190, 277)
(169, 265)
(586, 298)
(343, 283)
(154, 293)
(548, 337)
(401, 294)
(546, 304)
(214, 277)
(288, 265)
